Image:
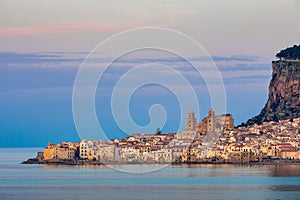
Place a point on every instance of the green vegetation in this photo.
(292, 53)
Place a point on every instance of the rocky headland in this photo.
(284, 89)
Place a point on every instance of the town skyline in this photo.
(213, 140)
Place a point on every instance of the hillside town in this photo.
(213, 140)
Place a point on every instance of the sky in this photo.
(43, 45)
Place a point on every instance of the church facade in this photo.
(214, 122)
(210, 123)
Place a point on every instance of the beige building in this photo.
(224, 121)
(105, 153)
(207, 124)
(290, 154)
(163, 156)
(59, 151)
(213, 122)
(210, 123)
(49, 152)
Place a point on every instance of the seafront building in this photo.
(64, 150)
(214, 139)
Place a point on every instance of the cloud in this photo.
(242, 62)
(200, 59)
(56, 29)
(18, 59)
(245, 67)
(243, 58)
(34, 70)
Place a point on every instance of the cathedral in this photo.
(211, 123)
(214, 122)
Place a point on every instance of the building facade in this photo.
(62, 151)
(214, 122)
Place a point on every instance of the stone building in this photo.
(62, 151)
(191, 122)
(210, 123)
(207, 124)
(214, 122)
(224, 121)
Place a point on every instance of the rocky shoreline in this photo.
(61, 162)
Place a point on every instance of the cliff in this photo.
(284, 89)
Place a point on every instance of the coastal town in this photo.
(213, 140)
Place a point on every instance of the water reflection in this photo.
(285, 188)
(205, 181)
(202, 170)
(285, 170)
(247, 170)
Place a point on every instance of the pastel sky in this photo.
(43, 43)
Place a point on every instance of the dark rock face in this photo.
(284, 90)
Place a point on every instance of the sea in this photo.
(170, 182)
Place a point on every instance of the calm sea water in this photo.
(173, 182)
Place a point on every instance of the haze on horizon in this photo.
(44, 42)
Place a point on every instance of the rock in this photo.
(284, 93)
(33, 161)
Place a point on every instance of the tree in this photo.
(158, 131)
(275, 118)
(290, 53)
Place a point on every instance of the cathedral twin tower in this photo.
(191, 122)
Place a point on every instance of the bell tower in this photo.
(211, 119)
(191, 122)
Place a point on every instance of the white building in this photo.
(86, 149)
